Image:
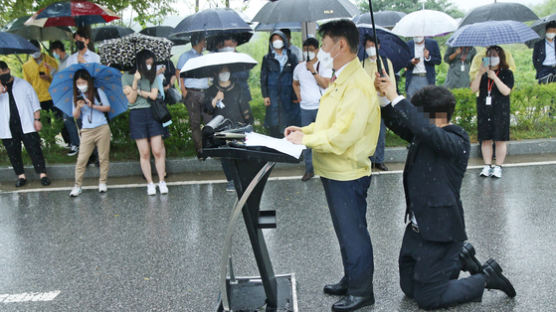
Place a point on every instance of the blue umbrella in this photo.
(106, 78)
(492, 33)
(391, 46)
(13, 44)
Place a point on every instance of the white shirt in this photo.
(89, 56)
(309, 88)
(97, 117)
(550, 59)
(420, 53)
(27, 103)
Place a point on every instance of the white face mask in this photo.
(418, 39)
(83, 88)
(224, 76)
(310, 54)
(371, 51)
(149, 66)
(278, 44)
(324, 57)
(226, 49)
(550, 35)
(36, 55)
(494, 61)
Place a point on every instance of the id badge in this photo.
(489, 100)
(462, 67)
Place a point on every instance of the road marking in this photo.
(287, 178)
(27, 297)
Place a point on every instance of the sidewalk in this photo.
(197, 168)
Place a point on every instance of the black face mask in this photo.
(5, 78)
(80, 45)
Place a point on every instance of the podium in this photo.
(250, 168)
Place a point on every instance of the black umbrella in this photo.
(499, 11)
(213, 23)
(110, 32)
(162, 32)
(305, 11)
(540, 27)
(386, 19)
(12, 44)
(293, 26)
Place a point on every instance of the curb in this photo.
(191, 165)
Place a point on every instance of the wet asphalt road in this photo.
(124, 251)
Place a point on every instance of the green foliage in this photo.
(51, 126)
(409, 6)
(546, 8)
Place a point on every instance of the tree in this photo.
(408, 6)
(546, 8)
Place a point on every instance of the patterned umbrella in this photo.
(122, 51)
(73, 13)
(492, 33)
(12, 44)
(38, 33)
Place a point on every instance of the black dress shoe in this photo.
(20, 182)
(495, 279)
(352, 303)
(380, 166)
(45, 181)
(338, 289)
(307, 176)
(468, 261)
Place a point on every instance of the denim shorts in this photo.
(142, 124)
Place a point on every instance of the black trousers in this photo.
(32, 142)
(429, 273)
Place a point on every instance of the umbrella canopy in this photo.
(72, 13)
(499, 11)
(293, 26)
(14, 44)
(391, 46)
(209, 64)
(540, 28)
(122, 51)
(492, 33)
(305, 11)
(110, 32)
(162, 32)
(106, 78)
(18, 27)
(213, 22)
(386, 19)
(427, 23)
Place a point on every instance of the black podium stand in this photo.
(251, 169)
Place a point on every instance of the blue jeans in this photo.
(417, 83)
(347, 202)
(69, 122)
(307, 117)
(378, 157)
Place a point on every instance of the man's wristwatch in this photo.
(37, 119)
(314, 73)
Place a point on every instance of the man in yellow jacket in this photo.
(38, 71)
(343, 137)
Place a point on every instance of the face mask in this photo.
(80, 45)
(371, 51)
(550, 35)
(36, 55)
(226, 49)
(333, 56)
(83, 88)
(419, 39)
(278, 44)
(324, 57)
(149, 66)
(224, 76)
(5, 78)
(494, 61)
(56, 56)
(310, 54)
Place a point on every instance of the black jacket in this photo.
(433, 172)
(539, 54)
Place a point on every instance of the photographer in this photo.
(91, 105)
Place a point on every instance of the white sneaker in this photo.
(76, 191)
(497, 172)
(151, 189)
(102, 188)
(162, 187)
(487, 171)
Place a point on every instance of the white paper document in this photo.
(281, 145)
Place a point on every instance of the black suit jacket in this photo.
(539, 55)
(433, 172)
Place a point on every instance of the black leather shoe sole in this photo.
(351, 303)
(468, 261)
(380, 166)
(496, 280)
(335, 290)
(307, 176)
(45, 181)
(20, 182)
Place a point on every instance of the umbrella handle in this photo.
(378, 60)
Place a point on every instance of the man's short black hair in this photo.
(551, 24)
(196, 38)
(57, 45)
(371, 38)
(311, 42)
(342, 29)
(35, 43)
(286, 32)
(3, 65)
(435, 99)
(83, 33)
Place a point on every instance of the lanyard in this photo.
(464, 54)
(490, 83)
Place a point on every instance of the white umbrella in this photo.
(426, 23)
(209, 64)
